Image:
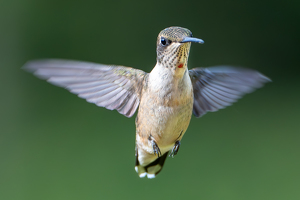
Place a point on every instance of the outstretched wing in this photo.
(218, 87)
(112, 87)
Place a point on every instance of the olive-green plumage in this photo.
(165, 98)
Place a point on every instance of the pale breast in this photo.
(165, 113)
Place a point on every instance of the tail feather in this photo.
(152, 169)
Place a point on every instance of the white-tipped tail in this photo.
(152, 169)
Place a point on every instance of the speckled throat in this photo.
(173, 52)
(174, 55)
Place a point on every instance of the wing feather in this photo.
(218, 87)
(112, 87)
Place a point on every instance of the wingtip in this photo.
(266, 79)
(33, 65)
(26, 67)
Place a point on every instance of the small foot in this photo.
(156, 149)
(175, 149)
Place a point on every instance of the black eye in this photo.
(163, 41)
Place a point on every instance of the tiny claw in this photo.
(156, 149)
(175, 149)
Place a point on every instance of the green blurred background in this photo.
(54, 145)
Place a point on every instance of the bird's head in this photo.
(173, 46)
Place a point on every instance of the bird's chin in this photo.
(180, 65)
(180, 69)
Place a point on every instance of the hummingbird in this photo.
(166, 98)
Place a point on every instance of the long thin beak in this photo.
(192, 39)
